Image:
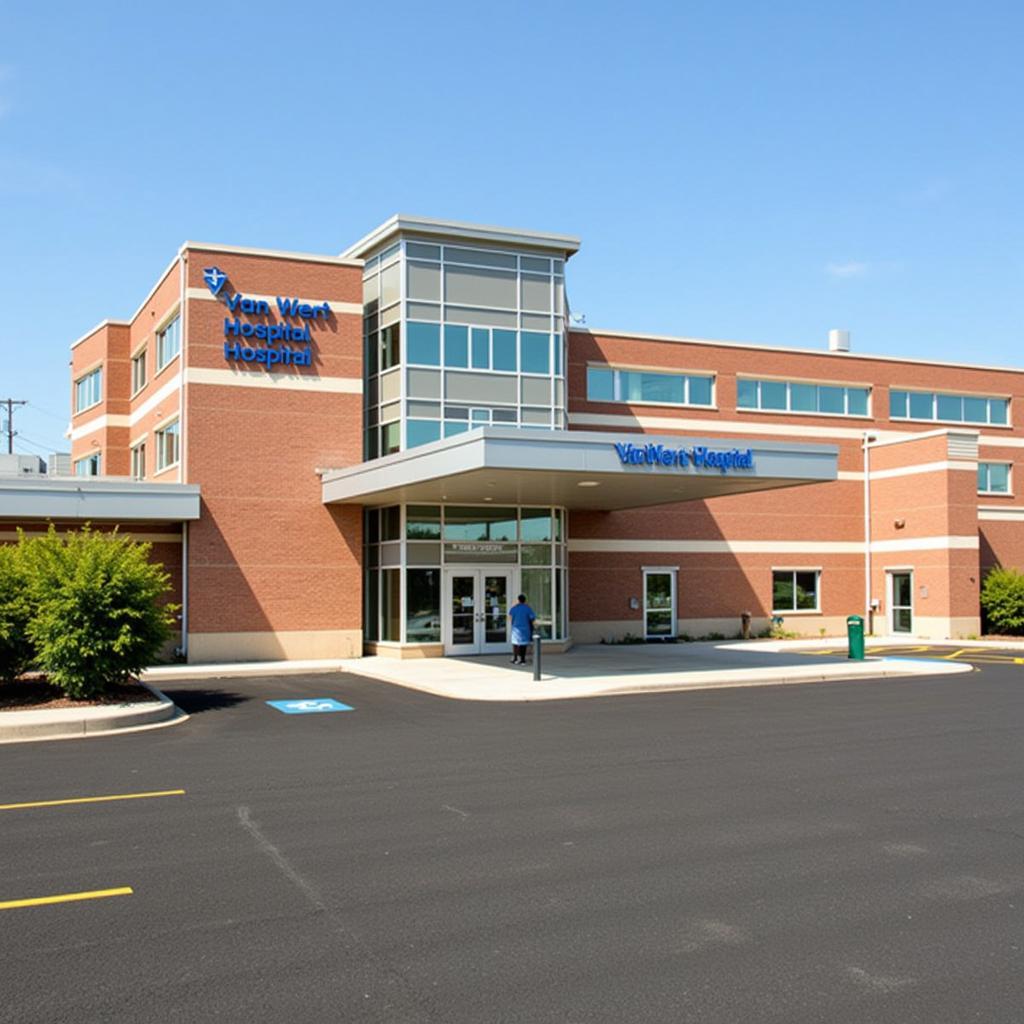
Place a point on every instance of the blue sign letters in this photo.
(699, 456)
(268, 343)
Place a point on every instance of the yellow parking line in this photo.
(1018, 661)
(955, 654)
(91, 799)
(67, 897)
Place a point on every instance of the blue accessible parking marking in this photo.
(309, 706)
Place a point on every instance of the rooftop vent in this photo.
(838, 341)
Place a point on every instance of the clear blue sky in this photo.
(746, 171)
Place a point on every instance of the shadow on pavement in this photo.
(195, 702)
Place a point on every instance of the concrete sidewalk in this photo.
(588, 671)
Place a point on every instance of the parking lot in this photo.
(941, 652)
(831, 852)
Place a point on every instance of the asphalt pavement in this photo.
(835, 852)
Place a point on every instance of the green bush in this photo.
(98, 620)
(1002, 600)
(16, 611)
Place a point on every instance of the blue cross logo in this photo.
(214, 278)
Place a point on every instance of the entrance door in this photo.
(477, 605)
(901, 601)
(659, 603)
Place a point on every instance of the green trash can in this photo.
(855, 637)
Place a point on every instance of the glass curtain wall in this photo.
(457, 337)
(408, 546)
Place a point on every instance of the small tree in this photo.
(16, 610)
(1002, 600)
(99, 620)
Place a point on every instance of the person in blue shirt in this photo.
(522, 618)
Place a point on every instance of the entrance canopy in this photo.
(577, 469)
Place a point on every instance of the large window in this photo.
(795, 590)
(89, 390)
(796, 396)
(475, 336)
(168, 446)
(436, 536)
(940, 407)
(138, 371)
(168, 343)
(89, 466)
(605, 384)
(993, 477)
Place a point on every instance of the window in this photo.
(948, 408)
(423, 342)
(993, 477)
(168, 343)
(795, 590)
(168, 446)
(605, 384)
(138, 371)
(139, 461)
(794, 396)
(534, 352)
(89, 466)
(88, 390)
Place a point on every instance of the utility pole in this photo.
(10, 403)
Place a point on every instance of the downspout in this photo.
(868, 438)
(183, 468)
(183, 646)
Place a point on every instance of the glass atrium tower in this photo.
(463, 327)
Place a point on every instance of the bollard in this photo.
(745, 618)
(536, 656)
(855, 637)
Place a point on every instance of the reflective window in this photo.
(798, 396)
(168, 343)
(994, 477)
(534, 352)
(89, 466)
(456, 346)
(424, 343)
(947, 408)
(479, 524)
(503, 350)
(606, 384)
(89, 390)
(422, 432)
(168, 445)
(795, 590)
(423, 606)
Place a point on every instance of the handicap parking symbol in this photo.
(309, 706)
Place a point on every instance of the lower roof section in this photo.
(96, 499)
(578, 469)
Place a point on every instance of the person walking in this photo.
(522, 618)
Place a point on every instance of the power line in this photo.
(11, 403)
(46, 412)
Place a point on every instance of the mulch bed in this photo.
(38, 695)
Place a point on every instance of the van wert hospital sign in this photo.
(699, 456)
(293, 328)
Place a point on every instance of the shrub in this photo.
(16, 611)
(1002, 600)
(98, 619)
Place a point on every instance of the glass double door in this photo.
(476, 602)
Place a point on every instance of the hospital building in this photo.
(375, 452)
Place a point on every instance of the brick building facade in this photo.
(384, 447)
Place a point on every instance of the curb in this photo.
(75, 723)
(708, 679)
(228, 670)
